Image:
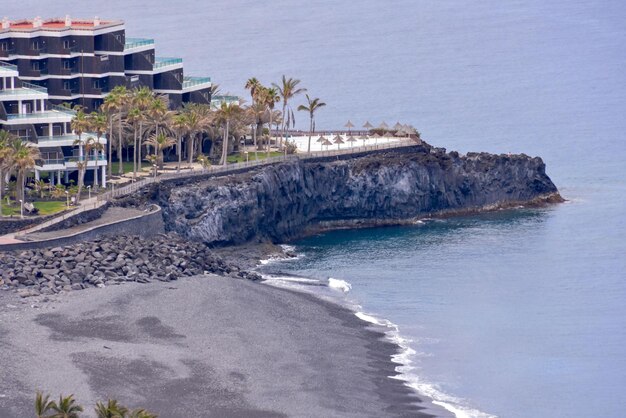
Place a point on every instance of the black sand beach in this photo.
(207, 346)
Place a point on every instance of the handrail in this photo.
(128, 189)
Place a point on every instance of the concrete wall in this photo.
(8, 225)
(145, 225)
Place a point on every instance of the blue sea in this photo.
(512, 314)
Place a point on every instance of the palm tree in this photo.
(269, 97)
(254, 86)
(141, 413)
(43, 405)
(287, 90)
(160, 142)
(142, 98)
(80, 123)
(117, 101)
(6, 156)
(111, 410)
(81, 164)
(226, 114)
(133, 116)
(66, 408)
(257, 113)
(179, 124)
(196, 118)
(24, 156)
(98, 125)
(312, 106)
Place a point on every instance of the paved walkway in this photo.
(113, 214)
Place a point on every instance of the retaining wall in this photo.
(144, 225)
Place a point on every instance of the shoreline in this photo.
(269, 351)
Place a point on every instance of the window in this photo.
(95, 84)
(67, 85)
(66, 44)
(4, 46)
(67, 64)
(35, 45)
(35, 65)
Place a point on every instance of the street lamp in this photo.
(67, 196)
(89, 189)
(21, 209)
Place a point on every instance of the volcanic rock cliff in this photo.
(288, 200)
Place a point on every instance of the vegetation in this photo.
(312, 106)
(139, 123)
(68, 408)
(43, 208)
(241, 158)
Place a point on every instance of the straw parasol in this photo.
(363, 138)
(337, 140)
(327, 143)
(383, 126)
(349, 125)
(398, 126)
(375, 136)
(322, 138)
(351, 139)
(368, 125)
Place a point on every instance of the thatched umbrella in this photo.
(368, 125)
(349, 125)
(383, 126)
(327, 143)
(363, 138)
(337, 140)
(322, 138)
(351, 140)
(398, 126)
(375, 136)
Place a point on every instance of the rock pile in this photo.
(110, 261)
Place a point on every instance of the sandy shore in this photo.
(204, 347)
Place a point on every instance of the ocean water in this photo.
(513, 314)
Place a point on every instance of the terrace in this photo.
(165, 62)
(196, 83)
(135, 43)
(25, 90)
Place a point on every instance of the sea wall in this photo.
(285, 201)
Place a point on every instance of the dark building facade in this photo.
(81, 60)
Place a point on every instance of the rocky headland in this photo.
(286, 201)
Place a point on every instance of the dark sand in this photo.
(200, 347)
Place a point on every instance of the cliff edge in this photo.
(285, 201)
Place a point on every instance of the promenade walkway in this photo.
(102, 199)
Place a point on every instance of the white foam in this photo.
(339, 284)
(405, 369)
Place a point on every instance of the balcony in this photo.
(26, 89)
(67, 140)
(55, 112)
(6, 53)
(196, 83)
(5, 66)
(72, 161)
(29, 72)
(163, 62)
(134, 43)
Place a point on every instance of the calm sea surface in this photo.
(515, 314)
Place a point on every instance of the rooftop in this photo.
(57, 24)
